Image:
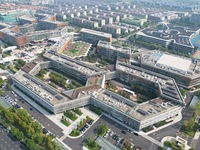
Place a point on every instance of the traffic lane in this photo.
(153, 147)
(47, 123)
(8, 142)
(160, 134)
(115, 127)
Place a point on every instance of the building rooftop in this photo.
(37, 86)
(169, 32)
(174, 62)
(138, 111)
(96, 32)
(29, 18)
(114, 47)
(167, 86)
(12, 33)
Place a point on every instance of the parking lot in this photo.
(139, 141)
(116, 139)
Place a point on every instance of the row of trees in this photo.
(41, 74)
(24, 128)
(144, 93)
(190, 126)
(57, 79)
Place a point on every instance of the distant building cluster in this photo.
(177, 37)
(32, 28)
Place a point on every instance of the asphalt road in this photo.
(115, 127)
(173, 129)
(41, 118)
(8, 142)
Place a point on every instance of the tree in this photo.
(1, 50)
(20, 135)
(38, 138)
(30, 144)
(14, 131)
(37, 127)
(1, 92)
(1, 81)
(9, 87)
(183, 92)
(101, 130)
(168, 144)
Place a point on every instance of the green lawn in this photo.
(70, 115)
(65, 122)
(73, 50)
(79, 44)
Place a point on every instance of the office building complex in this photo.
(168, 103)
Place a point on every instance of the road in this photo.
(173, 129)
(41, 118)
(115, 127)
(8, 142)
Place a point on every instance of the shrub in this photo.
(168, 144)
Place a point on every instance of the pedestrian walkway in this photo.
(87, 112)
(195, 139)
(74, 125)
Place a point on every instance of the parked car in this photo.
(122, 141)
(135, 133)
(124, 132)
(118, 140)
(90, 122)
(17, 106)
(111, 133)
(105, 135)
(45, 131)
